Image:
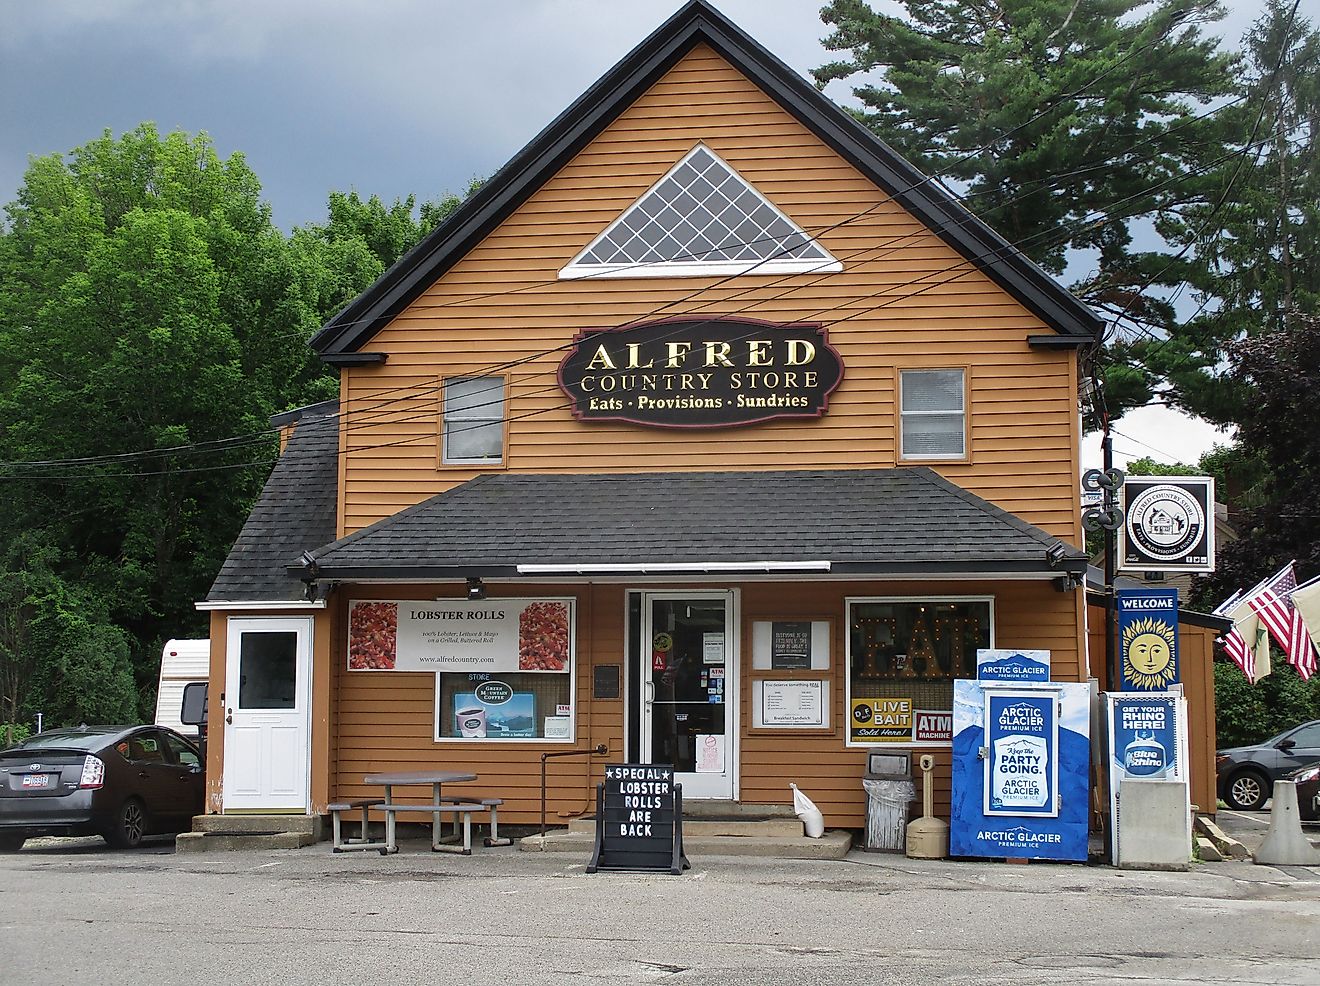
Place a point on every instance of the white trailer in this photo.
(181, 661)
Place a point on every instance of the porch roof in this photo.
(896, 522)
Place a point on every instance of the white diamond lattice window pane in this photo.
(701, 213)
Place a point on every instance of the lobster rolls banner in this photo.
(488, 635)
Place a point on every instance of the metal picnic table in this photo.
(436, 779)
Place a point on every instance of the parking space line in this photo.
(1250, 818)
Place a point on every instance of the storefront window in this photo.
(903, 656)
(518, 706)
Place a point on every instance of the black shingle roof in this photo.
(295, 512)
(892, 521)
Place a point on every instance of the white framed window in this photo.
(701, 219)
(472, 422)
(933, 413)
(903, 655)
(535, 704)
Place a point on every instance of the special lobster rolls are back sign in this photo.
(487, 635)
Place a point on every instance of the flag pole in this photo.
(1111, 545)
(1309, 582)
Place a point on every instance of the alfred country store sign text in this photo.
(701, 373)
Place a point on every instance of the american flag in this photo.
(1273, 604)
(1236, 644)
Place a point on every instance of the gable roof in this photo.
(342, 338)
(901, 521)
(294, 513)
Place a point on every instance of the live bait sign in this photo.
(701, 373)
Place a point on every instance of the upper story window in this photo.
(473, 421)
(934, 414)
(700, 219)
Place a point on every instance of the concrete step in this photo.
(258, 824)
(742, 826)
(225, 841)
(695, 808)
(834, 844)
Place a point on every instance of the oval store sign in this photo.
(701, 373)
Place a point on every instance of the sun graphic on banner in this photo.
(1148, 653)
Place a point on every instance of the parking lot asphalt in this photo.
(1249, 828)
(91, 915)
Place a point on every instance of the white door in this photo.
(689, 694)
(267, 701)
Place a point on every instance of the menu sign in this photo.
(701, 373)
(792, 703)
(790, 646)
(639, 820)
(499, 636)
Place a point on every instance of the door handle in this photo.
(229, 716)
(649, 696)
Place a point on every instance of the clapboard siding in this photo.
(904, 299)
(384, 720)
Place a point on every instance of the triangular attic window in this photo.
(700, 219)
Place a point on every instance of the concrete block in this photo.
(224, 842)
(258, 824)
(1227, 846)
(1284, 844)
(1153, 830)
(1207, 851)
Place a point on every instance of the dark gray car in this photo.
(1247, 773)
(118, 782)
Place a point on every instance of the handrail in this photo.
(599, 749)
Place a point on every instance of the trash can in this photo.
(889, 791)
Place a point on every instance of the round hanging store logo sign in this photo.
(1167, 525)
(1165, 522)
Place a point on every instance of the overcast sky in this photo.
(388, 97)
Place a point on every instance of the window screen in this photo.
(934, 418)
(473, 421)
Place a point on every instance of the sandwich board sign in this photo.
(639, 820)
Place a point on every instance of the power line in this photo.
(959, 270)
(238, 441)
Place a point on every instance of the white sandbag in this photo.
(813, 822)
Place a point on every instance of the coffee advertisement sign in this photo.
(701, 373)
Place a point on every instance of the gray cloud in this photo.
(387, 96)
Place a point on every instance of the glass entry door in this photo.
(689, 694)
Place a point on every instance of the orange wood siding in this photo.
(384, 720)
(904, 299)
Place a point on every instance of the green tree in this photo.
(142, 285)
(147, 302)
(1068, 122)
(360, 239)
(1256, 240)
(1247, 713)
(1280, 369)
